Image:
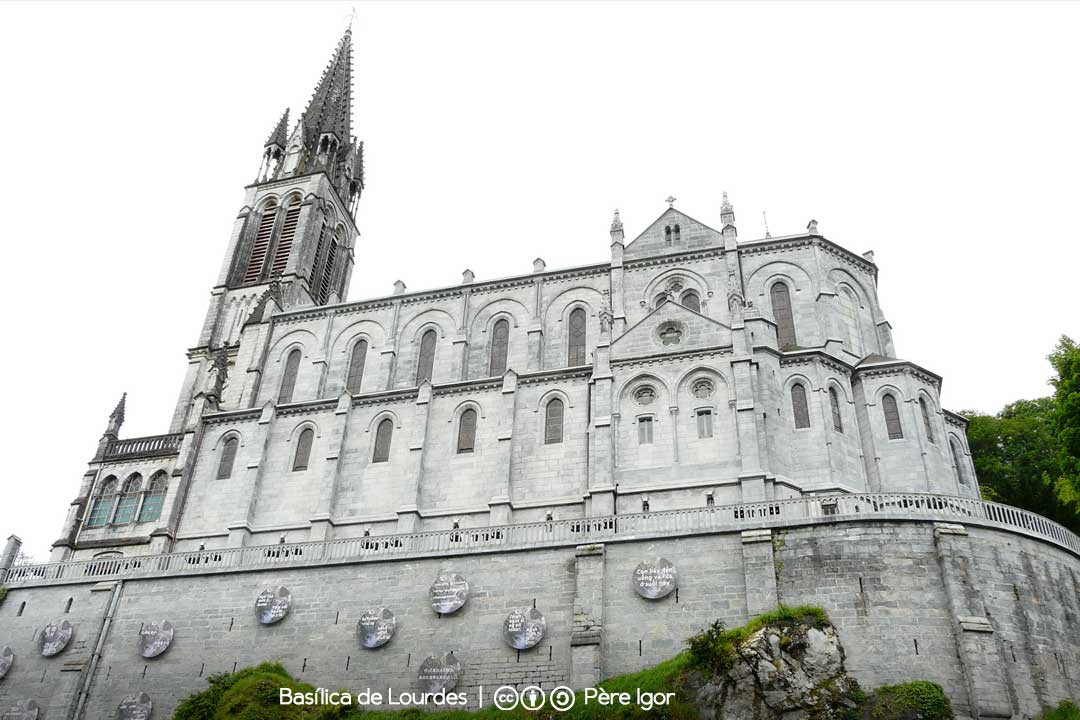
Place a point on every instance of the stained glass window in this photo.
(288, 377)
(466, 441)
(576, 354)
(892, 417)
(553, 422)
(356, 366)
(799, 408)
(382, 441)
(785, 321)
(425, 364)
(303, 450)
(500, 344)
(228, 457)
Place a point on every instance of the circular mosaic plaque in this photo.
(272, 605)
(654, 579)
(439, 673)
(376, 627)
(54, 638)
(25, 710)
(154, 638)
(449, 593)
(135, 707)
(7, 659)
(524, 627)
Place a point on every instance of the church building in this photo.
(689, 368)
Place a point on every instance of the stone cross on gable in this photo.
(670, 200)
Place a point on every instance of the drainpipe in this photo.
(103, 635)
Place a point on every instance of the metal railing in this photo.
(150, 446)
(560, 533)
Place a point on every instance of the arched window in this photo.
(257, 259)
(553, 422)
(356, 367)
(925, 407)
(667, 234)
(129, 500)
(660, 300)
(675, 232)
(288, 377)
(704, 423)
(785, 321)
(466, 438)
(892, 417)
(303, 450)
(228, 457)
(799, 409)
(500, 344)
(957, 459)
(103, 504)
(834, 403)
(576, 353)
(382, 441)
(326, 281)
(155, 497)
(425, 364)
(285, 240)
(691, 300)
(645, 430)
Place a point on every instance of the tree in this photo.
(1028, 455)
(1066, 361)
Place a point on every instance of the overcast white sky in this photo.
(943, 137)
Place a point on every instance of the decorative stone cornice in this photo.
(656, 359)
(671, 259)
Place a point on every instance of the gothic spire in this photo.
(330, 108)
(280, 134)
(116, 418)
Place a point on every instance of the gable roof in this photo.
(694, 332)
(692, 235)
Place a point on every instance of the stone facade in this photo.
(690, 371)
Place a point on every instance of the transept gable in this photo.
(670, 328)
(673, 231)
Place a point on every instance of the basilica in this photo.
(540, 480)
(689, 368)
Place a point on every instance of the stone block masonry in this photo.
(988, 614)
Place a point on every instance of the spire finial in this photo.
(616, 222)
(280, 133)
(116, 417)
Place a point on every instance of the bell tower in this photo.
(293, 240)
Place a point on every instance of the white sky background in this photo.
(946, 138)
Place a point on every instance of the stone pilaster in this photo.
(321, 527)
(981, 659)
(240, 528)
(409, 513)
(500, 508)
(586, 667)
(759, 568)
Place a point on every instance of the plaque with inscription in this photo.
(654, 579)
(135, 707)
(524, 627)
(376, 627)
(54, 638)
(439, 673)
(25, 710)
(449, 593)
(7, 659)
(272, 605)
(155, 638)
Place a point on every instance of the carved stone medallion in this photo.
(272, 605)
(135, 707)
(439, 673)
(154, 638)
(654, 579)
(671, 333)
(54, 638)
(645, 395)
(524, 627)
(24, 710)
(7, 659)
(376, 627)
(449, 593)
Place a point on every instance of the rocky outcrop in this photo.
(789, 670)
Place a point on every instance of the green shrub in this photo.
(1067, 710)
(3, 594)
(925, 699)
